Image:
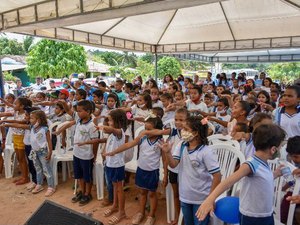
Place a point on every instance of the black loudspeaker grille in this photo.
(51, 213)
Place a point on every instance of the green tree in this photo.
(286, 72)
(56, 59)
(27, 43)
(10, 47)
(168, 65)
(144, 68)
(128, 59)
(110, 58)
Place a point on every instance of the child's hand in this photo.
(277, 172)
(207, 207)
(165, 181)
(294, 199)
(48, 157)
(108, 154)
(80, 144)
(165, 146)
(296, 172)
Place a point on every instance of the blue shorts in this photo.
(83, 169)
(247, 220)
(115, 174)
(147, 179)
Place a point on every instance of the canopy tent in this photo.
(160, 26)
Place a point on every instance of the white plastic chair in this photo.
(292, 206)
(60, 155)
(99, 171)
(212, 127)
(9, 155)
(278, 184)
(223, 139)
(132, 165)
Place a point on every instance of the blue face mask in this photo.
(65, 85)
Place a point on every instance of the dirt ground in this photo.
(17, 204)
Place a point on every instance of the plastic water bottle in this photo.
(287, 175)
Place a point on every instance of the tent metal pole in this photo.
(1, 81)
(156, 72)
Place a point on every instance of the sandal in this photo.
(50, 191)
(109, 212)
(38, 188)
(17, 179)
(31, 186)
(150, 220)
(116, 219)
(138, 218)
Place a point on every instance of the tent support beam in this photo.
(84, 13)
(1, 81)
(240, 59)
(291, 3)
(112, 27)
(166, 28)
(228, 24)
(156, 70)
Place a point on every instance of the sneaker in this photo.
(85, 200)
(77, 197)
(30, 186)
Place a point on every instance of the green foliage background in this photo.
(56, 59)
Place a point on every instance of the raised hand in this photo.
(165, 146)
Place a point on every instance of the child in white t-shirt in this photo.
(258, 180)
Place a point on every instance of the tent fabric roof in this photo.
(217, 26)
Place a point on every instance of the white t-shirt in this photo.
(157, 104)
(138, 112)
(38, 138)
(257, 190)
(192, 106)
(149, 155)
(112, 143)
(84, 132)
(19, 117)
(195, 172)
(219, 128)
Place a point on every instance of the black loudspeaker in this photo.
(50, 213)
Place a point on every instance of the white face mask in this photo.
(242, 91)
(186, 136)
(222, 111)
(141, 106)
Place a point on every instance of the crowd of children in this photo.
(256, 112)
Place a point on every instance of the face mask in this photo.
(141, 105)
(242, 91)
(186, 136)
(209, 91)
(222, 111)
(65, 85)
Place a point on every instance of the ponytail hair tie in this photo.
(204, 121)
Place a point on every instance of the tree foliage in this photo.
(168, 65)
(285, 72)
(10, 47)
(145, 69)
(27, 43)
(55, 59)
(193, 65)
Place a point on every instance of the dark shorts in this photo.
(247, 220)
(173, 177)
(147, 179)
(83, 169)
(115, 174)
